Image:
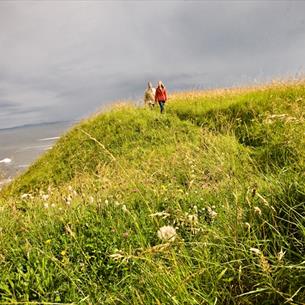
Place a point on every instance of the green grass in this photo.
(80, 226)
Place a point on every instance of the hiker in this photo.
(149, 95)
(161, 95)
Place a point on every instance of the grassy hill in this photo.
(202, 205)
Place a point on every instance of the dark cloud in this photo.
(62, 60)
(7, 105)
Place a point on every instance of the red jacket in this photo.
(160, 95)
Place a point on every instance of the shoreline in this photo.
(22, 146)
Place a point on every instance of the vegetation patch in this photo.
(204, 204)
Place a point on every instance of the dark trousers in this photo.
(161, 104)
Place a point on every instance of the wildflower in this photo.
(91, 199)
(46, 205)
(167, 233)
(48, 241)
(106, 202)
(45, 197)
(53, 205)
(124, 209)
(258, 211)
(255, 251)
(211, 213)
(63, 252)
(25, 196)
(280, 255)
(192, 219)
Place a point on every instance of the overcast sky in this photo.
(62, 60)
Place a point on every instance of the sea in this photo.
(21, 146)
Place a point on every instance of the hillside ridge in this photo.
(201, 205)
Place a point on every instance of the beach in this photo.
(20, 146)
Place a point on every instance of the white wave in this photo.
(23, 166)
(6, 160)
(49, 139)
(39, 147)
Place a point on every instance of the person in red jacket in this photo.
(161, 96)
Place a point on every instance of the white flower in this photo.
(212, 214)
(255, 250)
(46, 205)
(53, 205)
(44, 197)
(167, 233)
(192, 219)
(25, 196)
(258, 211)
(124, 209)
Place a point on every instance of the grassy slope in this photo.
(88, 230)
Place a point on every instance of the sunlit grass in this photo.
(202, 205)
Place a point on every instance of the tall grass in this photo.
(224, 168)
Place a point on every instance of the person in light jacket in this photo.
(149, 96)
(161, 96)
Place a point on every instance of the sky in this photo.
(62, 60)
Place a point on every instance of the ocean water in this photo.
(21, 146)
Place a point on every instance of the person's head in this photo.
(149, 85)
(160, 84)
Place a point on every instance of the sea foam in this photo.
(49, 139)
(6, 160)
